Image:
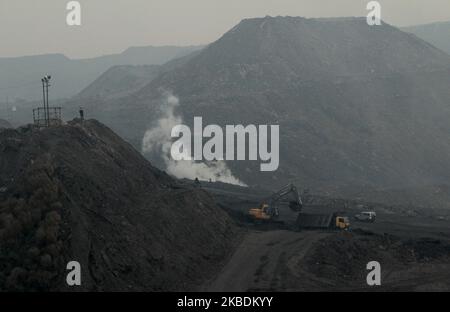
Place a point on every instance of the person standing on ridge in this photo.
(81, 113)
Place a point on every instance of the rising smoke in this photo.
(158, 139)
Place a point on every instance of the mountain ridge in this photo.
(374, 115)
(19, 76)
(344, 94)
(437, 34)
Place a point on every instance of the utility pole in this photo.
(48, 108)
(49, 120)
(45, 85)
(43, 94)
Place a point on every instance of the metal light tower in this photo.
(45, 105)
(45, 85)
(46, 116)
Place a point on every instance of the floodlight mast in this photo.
(43, 94)
(48, 107)
(45, 85)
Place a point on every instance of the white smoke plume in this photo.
(158, 139)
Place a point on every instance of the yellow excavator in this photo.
(268, 210)
(342, 223)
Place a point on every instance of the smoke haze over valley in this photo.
(317, 147)
(354, 103)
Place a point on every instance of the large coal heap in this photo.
(79, 192)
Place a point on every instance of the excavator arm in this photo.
(268, 209)
(295, 204)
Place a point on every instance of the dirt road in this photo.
(278, 261)
(412, 247)
(263, 259)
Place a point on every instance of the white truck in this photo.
(366, 216)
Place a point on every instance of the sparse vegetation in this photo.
(30, 233)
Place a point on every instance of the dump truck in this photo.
(323, 221)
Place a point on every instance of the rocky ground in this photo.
(412, 247)
(79, 192)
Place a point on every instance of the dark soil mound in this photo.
(79, 192)
(344, 256)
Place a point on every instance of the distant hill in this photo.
(79, 192)
(438, 34)
(360, 108)
(356, 105)
(119, 81)
(20, 77)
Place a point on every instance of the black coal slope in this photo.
(79, 192)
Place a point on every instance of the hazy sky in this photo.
(30, 27)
